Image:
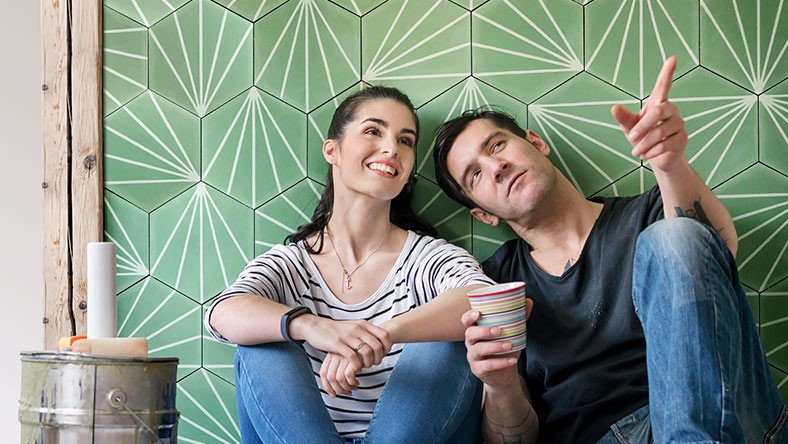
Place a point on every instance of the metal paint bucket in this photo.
(74, 398)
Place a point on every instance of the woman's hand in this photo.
(360, 342)
(338, 375)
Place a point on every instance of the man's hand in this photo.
(657, 133)
(484, 353)
(508, 415)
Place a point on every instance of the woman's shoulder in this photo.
(429, 245)
(290, 252)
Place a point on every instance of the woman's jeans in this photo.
(431, 397)
(709, 381)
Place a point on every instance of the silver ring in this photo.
(360, 344)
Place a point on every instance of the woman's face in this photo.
(376, 154)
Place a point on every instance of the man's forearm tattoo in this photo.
(697, 213)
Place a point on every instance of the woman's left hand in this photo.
(338, 375)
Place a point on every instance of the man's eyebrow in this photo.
(385, 124)
(485, 142)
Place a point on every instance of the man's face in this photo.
(506, 175)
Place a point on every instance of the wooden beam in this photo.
(55, 132)
(86, 146)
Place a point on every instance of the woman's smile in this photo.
(386, 169)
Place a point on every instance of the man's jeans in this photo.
(431, 397)
(709, 381)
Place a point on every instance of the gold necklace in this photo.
(348, 284)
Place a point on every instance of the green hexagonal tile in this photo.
(199, 242)
(773, 127)
(317, 132)
(586, 143)
(470, 4)
(306, 52)
(127, 227)
(452, 220)
(486, 239)
(280, 217)
(754, 299)
(527, 48)
(637, 182)
(419, 47)
(201, 56)
(125, 60)
(251, 10)
(628, 50)
(745, 42)
(146, 12)
(359, 7)
(254, 147)
(169, 320)
(208, 410)
(721, 123)
(151, 151)
(218, 357)
(774, 324)
(781, 378)
(758, 201)
(467, 95)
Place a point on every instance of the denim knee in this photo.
(684, 259)
(684, 245)
(281, 360)
(677, 235)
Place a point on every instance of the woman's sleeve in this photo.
(270, 275)
(448, 266)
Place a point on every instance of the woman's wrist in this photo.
(300, 325)
(393, 327)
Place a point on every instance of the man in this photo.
(639, 330)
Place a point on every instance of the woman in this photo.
(355, 284)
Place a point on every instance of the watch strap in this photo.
(284, 322)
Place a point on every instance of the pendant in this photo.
(348, 284)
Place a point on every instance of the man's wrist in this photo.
(508, 416)
(680, 165)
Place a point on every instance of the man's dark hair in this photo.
(447, 134)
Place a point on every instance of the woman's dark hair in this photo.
(447, 134)
(401, 215)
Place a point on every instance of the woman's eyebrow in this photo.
(385, 124)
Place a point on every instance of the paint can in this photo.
(74, 398)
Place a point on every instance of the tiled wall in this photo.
(216, 110)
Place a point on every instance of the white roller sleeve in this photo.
(102, 305)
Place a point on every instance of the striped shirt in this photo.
(425, 268)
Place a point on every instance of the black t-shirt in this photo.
(585, 362)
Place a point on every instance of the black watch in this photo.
(284, 323)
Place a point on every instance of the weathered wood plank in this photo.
(86, 146)
(55, 131)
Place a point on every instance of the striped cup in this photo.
(502, 305)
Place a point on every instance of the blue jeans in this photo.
(431, 396)
(709, 381)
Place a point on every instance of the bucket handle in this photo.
(117, 399)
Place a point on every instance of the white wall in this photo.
(21, 279)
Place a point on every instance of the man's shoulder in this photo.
(504, 258)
